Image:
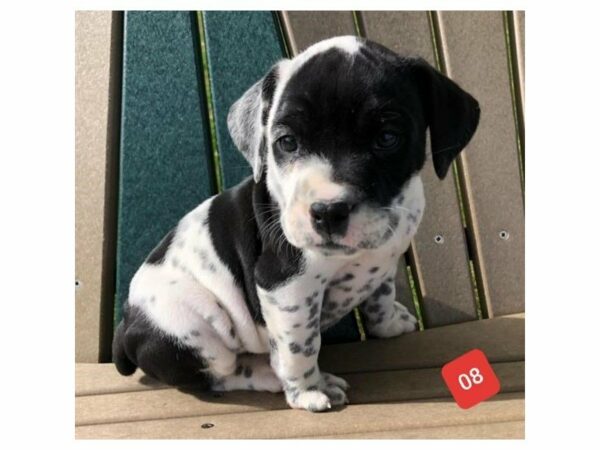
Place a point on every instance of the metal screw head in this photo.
(504, 235)
(207, 425)
(438, 239)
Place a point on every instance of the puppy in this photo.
(237, 295)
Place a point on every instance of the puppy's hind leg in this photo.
(253, 373)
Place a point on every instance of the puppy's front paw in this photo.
(400, 322)
(330, 391)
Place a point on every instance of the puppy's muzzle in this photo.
(330, 218)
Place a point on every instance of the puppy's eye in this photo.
(287, 144)
(387, 140)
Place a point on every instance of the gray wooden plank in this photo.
(290, 423)
(372, 387)
(307, 27)
(501, 339)
(494, 430)
(475, 54)
(519, 18)
(98, 43)
(441, 269)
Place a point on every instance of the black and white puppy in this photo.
(237, 295)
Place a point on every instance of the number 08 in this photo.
(467, 381)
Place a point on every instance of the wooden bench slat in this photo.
(494, 430)
(304, 28)
(372, 387)
(501, 339)
(519, 19)
(295, 423)
(241, 48)
(475, 55)
(98, 35)
(515, 24)
(442, 270)
(166, 165)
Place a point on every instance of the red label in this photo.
(470, 379)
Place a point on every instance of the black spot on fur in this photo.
(314, 309)
(157, 256)
(248, 372)
(309, 351)
(313, 323)
(373, 269)
(310, 339)
(273, 344)
(309, 372)
(295, 348)
(289, 308)
(239, 369)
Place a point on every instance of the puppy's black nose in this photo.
(330, 218)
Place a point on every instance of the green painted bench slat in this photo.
(241, 47)
(165, 164)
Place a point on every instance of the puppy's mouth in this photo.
(332, 247)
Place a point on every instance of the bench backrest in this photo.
(153, 91)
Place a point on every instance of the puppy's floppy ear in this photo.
(451, 114)
(247, 120)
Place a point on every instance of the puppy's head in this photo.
(340, 129)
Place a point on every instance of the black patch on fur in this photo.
(236, 220)
(338, 104)
(268, 89)
(138, 343)
(157, 255)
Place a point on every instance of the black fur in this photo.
(250, 248)
(137, 343)
(157, 256)
(336, 105)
